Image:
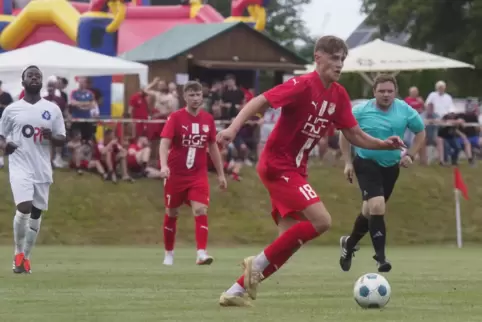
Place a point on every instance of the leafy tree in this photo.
(451, 28)
(284, 23)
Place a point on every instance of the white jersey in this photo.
(22, 124)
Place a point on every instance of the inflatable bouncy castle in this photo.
(109, 27)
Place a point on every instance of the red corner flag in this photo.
(459, 184)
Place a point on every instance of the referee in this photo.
(377, 171)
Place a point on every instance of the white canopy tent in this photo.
(54, 58)
(380, 56)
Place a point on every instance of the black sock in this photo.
(378, 235)
(360, 228)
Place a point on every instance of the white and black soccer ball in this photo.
(372, 291)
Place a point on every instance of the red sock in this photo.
(169, 232)
(285, 245)
(201, 231)
(240, 281)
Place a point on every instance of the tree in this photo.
(284, 23)
(451, 28)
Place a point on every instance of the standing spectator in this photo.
(448, 144)
(82, 102)
(470, 135)
(139, 110)
(175, 95)
(5, 100)
(51, 96)
(164, 104)
(62, 84)
(441, 101)
(416, 102)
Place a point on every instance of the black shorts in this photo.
(375, 180)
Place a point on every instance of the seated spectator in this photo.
(470, 135)
(447, 142)
(138, 155)
(111, 155)
(81, 156)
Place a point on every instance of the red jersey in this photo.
(308, 110)
(190, 137)
(416, 103)
(139, 105)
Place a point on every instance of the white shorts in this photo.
(24, 189)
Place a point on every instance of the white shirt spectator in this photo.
(442, 103)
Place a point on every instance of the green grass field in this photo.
(109, 284)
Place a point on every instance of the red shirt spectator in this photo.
(139, 110)
(414, 100)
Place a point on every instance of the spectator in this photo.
(138, 156)
(112, 154)
(81, 156)
(52, 97)
(416, 102)
(441, 101)
(139, 110)
(447, 142)
(62, 84)
(270, 118)
(232, 97)
(164, 104)
(470, 135)
(173, 91)
(431, 129)
(5, 100)
(82, 104)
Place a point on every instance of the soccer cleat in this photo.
(384, 266)
(168, 260)
(26, 266)
(18, 263)
(234, 300)
(346, 255)
(252, 277)
(204, 260)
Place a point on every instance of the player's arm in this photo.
(167, 135)
(216, 158)
(279, 96)
(357, 137)
(58, 136)
(416, 125)
(345, 148)
(5, 128)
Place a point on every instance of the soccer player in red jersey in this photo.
(186, 137)
(310, 104)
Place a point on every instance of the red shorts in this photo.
(141, 129)
(179, 190)
(84, 165)
(289, 191)
(154, 130)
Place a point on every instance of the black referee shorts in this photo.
(375, 180)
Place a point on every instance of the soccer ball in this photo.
(372, 291)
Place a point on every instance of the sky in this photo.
(332, 17)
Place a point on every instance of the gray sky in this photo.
(333, 17)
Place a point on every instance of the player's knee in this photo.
(25, 207)
(200, 211)
(323, 223)
(36, 213)
(171, 212)
(376, 205)
(365, 211)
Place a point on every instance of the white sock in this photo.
(169, 253)
(32, 233)
(260, 262)
(236, 289)
(2, 161)
(20, 227)
(201, 253)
